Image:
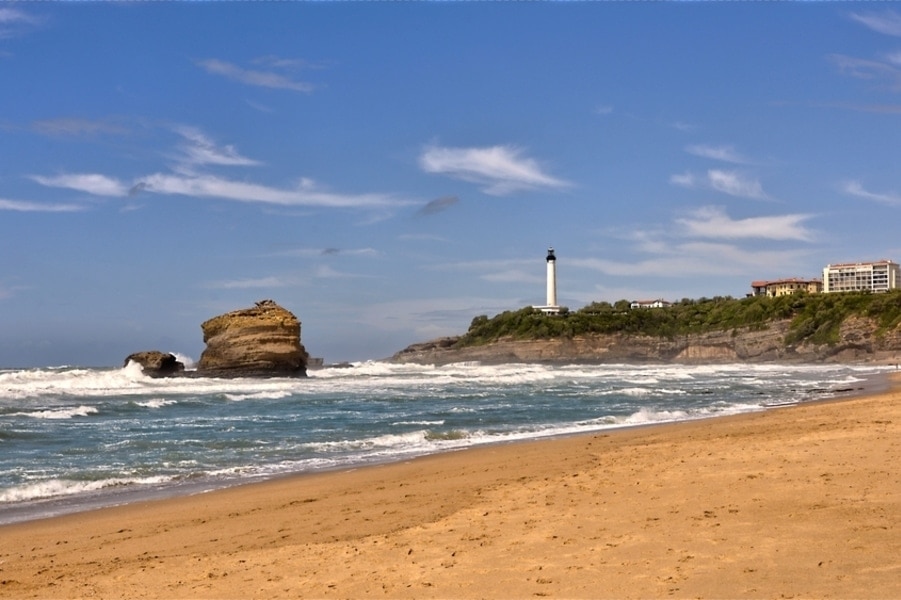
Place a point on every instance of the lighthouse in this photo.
(551, 278)
(551, 307)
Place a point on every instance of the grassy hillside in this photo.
(815, 318)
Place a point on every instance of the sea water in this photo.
(74, 438)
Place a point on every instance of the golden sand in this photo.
(795, 502)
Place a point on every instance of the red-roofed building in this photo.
(785, 287)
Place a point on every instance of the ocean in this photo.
(73, 439)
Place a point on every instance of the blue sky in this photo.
(388, 171)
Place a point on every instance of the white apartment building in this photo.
(879, 276)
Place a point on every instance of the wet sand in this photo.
(795, 502)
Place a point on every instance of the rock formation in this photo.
(263, 341)
(157, 364)
(858, 342)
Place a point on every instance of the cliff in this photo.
(858, 341)
(262, 341)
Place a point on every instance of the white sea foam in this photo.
(59, 413)
(157, 403)
(268, 395)
(67, 487)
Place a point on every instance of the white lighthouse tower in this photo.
(551, 307)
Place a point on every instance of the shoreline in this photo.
(800, 500)
(60, 506)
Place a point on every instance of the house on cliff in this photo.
(785, 287)
(658, 303)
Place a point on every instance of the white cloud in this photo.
(327, 272)
(13, 21)
(683, 127)
(500, 170)
(210, 186)
(200, 150)
(855, 188)
(20, 206)
(515, 276)
(92, 183)
(727, 182)
(684, 180)
(305, 194)
(734, 184)
(268, 79)
(888, 23)
(603, 109)
(251, 283)
(712, 222)
(695, 258)
(870, 69)
(722, 153)
(485, 265)
(78, 127)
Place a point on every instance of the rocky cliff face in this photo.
(253, 342)
(858, 343)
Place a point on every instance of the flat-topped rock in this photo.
(262, 341)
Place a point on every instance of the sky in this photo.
(389, 171)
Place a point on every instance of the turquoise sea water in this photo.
(72, 438)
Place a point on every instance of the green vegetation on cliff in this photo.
(815, 318)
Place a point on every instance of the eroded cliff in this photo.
(857, 342)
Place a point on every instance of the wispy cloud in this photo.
(732, 183)
(15, 22)
(695, 258)
(199, 149)
(78, 127)
(713, 222)
(250, 283)
(869, 69)
(887, 22)
(330, 251)
(306, 193)
(328, 272)
(500, 170)
(735, 184)
(722, 153)
(683, 179)
(683, 126)
(421, 237)
(91, 183)
(514, 276)
(255, 77)
(437, 205)
(603, 109)
(20, 206)
(856, 189)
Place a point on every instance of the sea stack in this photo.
(157, 364)
(262, 341)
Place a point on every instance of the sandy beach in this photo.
(802, 502)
